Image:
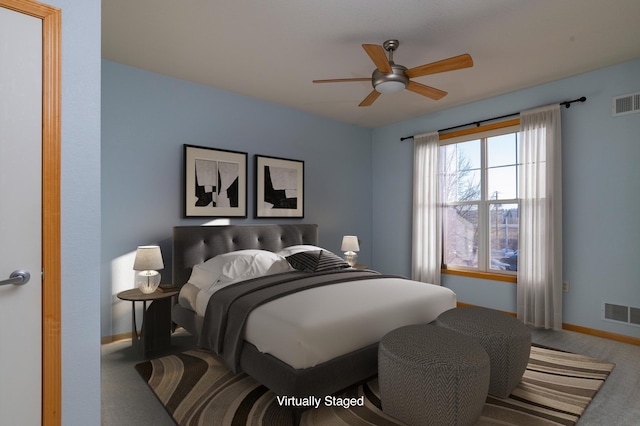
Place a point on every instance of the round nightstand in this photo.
(155, 331)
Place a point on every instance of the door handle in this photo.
(19, 277)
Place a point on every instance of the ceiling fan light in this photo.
(392, 82)
(390, 86)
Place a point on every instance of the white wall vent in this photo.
(634, 316)
(621, 313)
(626, 104)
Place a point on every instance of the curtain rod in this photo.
(566, 104)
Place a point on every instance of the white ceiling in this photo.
(272, 49)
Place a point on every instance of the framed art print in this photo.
(279, 187)
(215, 182)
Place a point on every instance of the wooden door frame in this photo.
(51, 146)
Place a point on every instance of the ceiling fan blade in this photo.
(377, 55)
(370, 98)
(343, 80)
(451, 64)
(424, 90)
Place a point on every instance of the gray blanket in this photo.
(228, 308)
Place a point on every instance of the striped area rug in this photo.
(196, 389)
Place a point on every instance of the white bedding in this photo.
(313, 326)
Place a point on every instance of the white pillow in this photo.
(233, 266)
(245, 267)
(288, 251)
(203, 277)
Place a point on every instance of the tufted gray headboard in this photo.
(195, 244)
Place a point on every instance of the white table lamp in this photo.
(350, 246)
(148, 261)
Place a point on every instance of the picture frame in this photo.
(215, 182)
(279, 187)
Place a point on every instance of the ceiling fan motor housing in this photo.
(394, 81)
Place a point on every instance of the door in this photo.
(20, 216)
(29, 213)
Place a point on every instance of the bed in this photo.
(340, 356)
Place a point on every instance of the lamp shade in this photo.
(148, 258)
(350, 243)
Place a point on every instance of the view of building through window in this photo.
(479, 183)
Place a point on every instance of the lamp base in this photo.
(147, 281)
(351, 257)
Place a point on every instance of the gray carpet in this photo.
(128, 400)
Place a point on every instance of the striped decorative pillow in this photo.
(316, 261)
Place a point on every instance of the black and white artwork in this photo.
(279, 187)
(215, 182)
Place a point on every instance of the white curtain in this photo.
(427, 224)
(540, 238)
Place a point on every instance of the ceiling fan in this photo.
(389, 77)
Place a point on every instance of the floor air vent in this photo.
(626, 104)
(621, 313)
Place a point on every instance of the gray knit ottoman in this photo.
(431, 375)
(506, 340)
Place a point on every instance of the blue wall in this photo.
(146, 119)
(601, 195)
(80, 211)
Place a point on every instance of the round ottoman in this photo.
(431, 375)
(506, 340)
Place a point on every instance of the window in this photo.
(479, 183)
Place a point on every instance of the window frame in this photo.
(479, 132)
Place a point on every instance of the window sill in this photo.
(483, 275)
